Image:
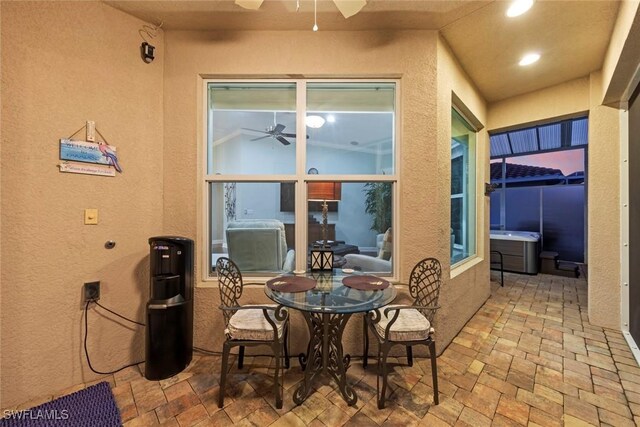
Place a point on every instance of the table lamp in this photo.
(322, 258)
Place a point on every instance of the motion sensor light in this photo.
(146, 52)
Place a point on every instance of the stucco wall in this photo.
(603, 214)
(621, 60)
(410, 55)
(564, 99)
(466, 288)
(603, 186)
(64, 63)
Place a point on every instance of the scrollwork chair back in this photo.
(424, 285)
(230, 284)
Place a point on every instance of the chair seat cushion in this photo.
(252, 325)
(410, 325)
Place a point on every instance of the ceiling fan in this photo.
(275, 132)
(346, 7)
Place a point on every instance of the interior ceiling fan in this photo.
(346, 7)
(275, 132)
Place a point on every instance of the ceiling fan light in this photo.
(518, 7)
(349, 8)
(249, 4)
(314, 122)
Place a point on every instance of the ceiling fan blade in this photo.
(260, 137)
(348, 7)
(282, 140)
(290, 135)
(257, 130)
(249, 4)
(279, 128)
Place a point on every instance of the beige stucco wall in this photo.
(603, 214)
(64, 63)
(557, 101)
(467, 288)
(410, 55)
(603, 188)
(621, 60)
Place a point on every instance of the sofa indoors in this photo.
(371, 264)
(259, 245)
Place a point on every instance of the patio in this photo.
(528, 356)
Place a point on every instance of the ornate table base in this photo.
(324, 355)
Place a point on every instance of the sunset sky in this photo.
(568, 161)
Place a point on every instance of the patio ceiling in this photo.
(572, 36)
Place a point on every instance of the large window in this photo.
(276, 152)
(463, 188)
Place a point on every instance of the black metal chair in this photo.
(249, 325)
(497, 264)
(408, 325)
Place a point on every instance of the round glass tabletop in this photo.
(331, 296)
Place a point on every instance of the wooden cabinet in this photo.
(315, 233)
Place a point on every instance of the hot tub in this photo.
(519, 249)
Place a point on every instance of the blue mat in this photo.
(93, 406)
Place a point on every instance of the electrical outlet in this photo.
(91, 291)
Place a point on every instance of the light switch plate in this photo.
(90, 216)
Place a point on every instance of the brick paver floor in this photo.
(528, 357)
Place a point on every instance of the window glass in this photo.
(248, 225)
(358, 223)
(254, 173)
(351, 128)
(463, 192)
(250, 123)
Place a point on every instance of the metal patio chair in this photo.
(408, 325)
(497, 264)
(249, 325)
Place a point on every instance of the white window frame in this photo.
(467, 202)
(300, 178)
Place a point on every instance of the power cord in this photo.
(86, 328)
(86, 335)
(119, 315)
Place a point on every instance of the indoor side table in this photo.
(327, 309)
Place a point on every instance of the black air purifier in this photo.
(169, 332)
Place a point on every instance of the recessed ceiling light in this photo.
(331, 118)
(314, 122)
(529, 59)
(518, 7)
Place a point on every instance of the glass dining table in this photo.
(326, 309)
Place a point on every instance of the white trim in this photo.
(202, 200)
(396, 187)
(624, 225)
(473, 220)
(632, 345)
(464, 265)
(301, 221)
(294, 178)
(300, 178)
